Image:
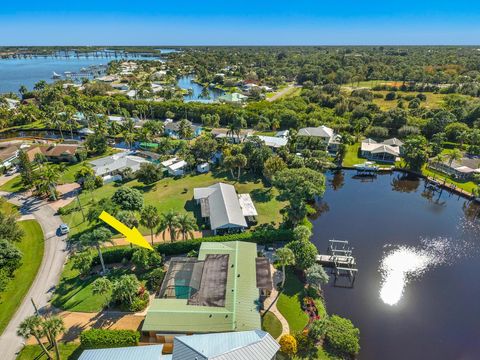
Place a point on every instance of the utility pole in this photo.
(81, 207)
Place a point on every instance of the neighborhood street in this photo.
(48, 275)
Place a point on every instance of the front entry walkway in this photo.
(277, 277)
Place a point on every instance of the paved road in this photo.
(48, 275)
(282, 92)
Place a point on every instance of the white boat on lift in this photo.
(366, 166)
(56, 76)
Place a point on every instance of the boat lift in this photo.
(340, 260)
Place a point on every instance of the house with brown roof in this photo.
(60, 152)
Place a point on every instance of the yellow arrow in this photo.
(133, 235)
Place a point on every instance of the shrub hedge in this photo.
(102, 338)
(117, 254)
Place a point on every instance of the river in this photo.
(418, 254)
(16, 72)
(186, 83)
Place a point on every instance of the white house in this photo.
(111, 166)
(225, 210)
(254, 344)
(203, 168)
(386, 151)
(175, 166)
(326, 134)
(273, 141)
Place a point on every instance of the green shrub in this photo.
(117, 254)
(102, 338)
(342, 336)
(139, 303)
(155, 279)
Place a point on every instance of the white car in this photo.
(64, 229)
(12, 171)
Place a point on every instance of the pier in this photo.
(340, 260)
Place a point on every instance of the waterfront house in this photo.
(216, 292)
(326, 135)
(111, 167)
(386, 151)
(233, 98)
(172, 128)
(254, 344)
(223, 208)
(463, 169)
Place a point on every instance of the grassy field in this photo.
(7, 207)
(70, 351)
(272, 325)
(177, 194)
(433, 101)
(289, 303)
(31, 246)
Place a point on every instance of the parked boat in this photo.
(366, 166)
(56, 76)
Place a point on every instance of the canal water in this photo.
(417, 291)
(186, 82)
(17, 72)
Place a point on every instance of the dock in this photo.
(340, 260)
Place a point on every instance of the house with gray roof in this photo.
(172, 128)
(110, 166)
(327, 135)
(224, 208)
(255, 344)
(463, 169)
(386, 151)
(252, 345)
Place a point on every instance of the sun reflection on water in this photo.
(403, 264)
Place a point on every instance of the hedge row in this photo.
(101, 338)
(117, 254)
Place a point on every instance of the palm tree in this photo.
(96, 238)
(54, 326)
(46, 182)
(150, 219)
(168, 221)
(285, 257)
(186, 225)
(453, 156)
(102, 286)
(240, 162)
(32, 326)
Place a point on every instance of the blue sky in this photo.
(148, 22)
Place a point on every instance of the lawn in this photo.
(289, 303)
(177, 194)
(7, 207)
(13, 185)
(351, 157)
(75, 294)
(31, 246)
(465, 185)
(272, 325)
(70, 351)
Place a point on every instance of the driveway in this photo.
(48, 275)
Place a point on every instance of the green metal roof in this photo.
(241, 309)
